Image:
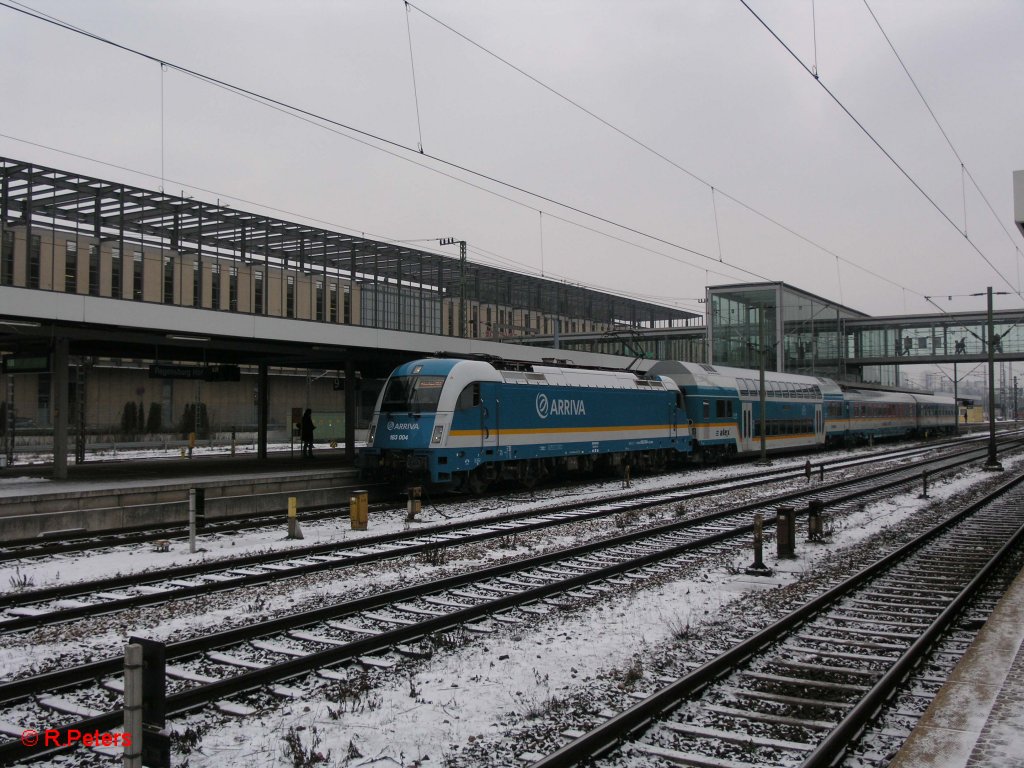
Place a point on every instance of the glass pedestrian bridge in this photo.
(799, 332)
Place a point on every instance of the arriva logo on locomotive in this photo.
(393, 425)
(559, 407)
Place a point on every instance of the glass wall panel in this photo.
(736, 322)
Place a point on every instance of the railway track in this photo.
(71, 542)
(800, 692)
(312, 645)
(77, 541)
(31, 608)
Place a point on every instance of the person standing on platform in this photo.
(306, 433)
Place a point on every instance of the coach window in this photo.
(707, 410)
(469, 397)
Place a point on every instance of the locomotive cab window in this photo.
(469, 397)
(413, 393)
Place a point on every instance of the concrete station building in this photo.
(165, 302)
(173, 315)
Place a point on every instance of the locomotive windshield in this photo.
(412, 393)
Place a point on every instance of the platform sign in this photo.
(27, 364)
(195, 372)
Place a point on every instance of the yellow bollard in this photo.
(294, 532)
(358, 510)
(414, 505)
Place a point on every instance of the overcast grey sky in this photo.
(701, 82)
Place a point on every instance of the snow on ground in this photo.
(478, 690)
(139, 558)
(433, 709)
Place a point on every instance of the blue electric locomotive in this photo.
(465, 423)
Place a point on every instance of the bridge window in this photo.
(333, 303)
(34, 256)
(319, 299)
(94, 270)
(290, 297)
(233, 289)
(215, 286)
(7, 259)
(70, 266)
(168, 291)
(137, 275)
(260, 308)
(115, 273)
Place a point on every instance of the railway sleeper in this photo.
(770, 719)
(827, 669)
(860, 615)
(873, 632)
(311, 637)
(847, 655)
(219, 657)
(354, 629)
(805, 682)
(858, 643)
(758, 696)
(909, 597)
(742, 739)
(691, 759)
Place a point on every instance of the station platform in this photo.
(977, 719)
(105, 495)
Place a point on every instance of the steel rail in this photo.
(84, 541)
(627, 502)
(246, 681)
(638, 718)
(40, 546)
(26, 686)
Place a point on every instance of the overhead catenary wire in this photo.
(415, 91)
(312, 117)
(878, 144)
(334, 126)
(648, 148)
(964, 172)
